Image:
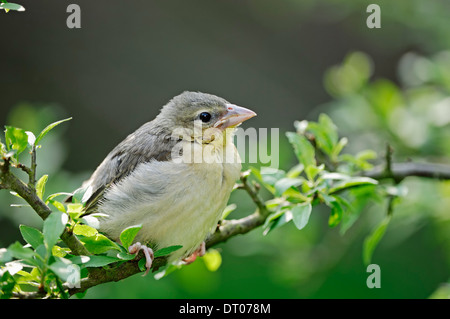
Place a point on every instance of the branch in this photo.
(400, 171)
(28, 193)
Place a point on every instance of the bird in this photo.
(173, 176)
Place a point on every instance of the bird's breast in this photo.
(177, 203)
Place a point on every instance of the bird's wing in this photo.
(137, 148)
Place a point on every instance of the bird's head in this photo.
(194, 110)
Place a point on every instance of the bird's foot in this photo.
(148, 253)
(199, 252)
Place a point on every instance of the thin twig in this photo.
(253, 193)
(32, 175)
(400, 171)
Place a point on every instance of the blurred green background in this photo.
(287, 61)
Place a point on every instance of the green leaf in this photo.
(58, 205)
(337, 212)
(352, 182)
(40, 186)
(166, 250)
(93, 261)
(5, 255)
(48, 129)
(270, 175)
(359, 198)
(19, 252)
(98, 243)
(79, 195)
(338, 148)
(283, 216)
(212, 259)
(285, 183)
(59, 251)
(32, 236)
(141, 264)
(11, 6)
(165, 272)
(295, 171)
(325, 133)
(75, 210)
(52, 196)
(16, 139)
(54, 226)
(125, 256)
(228, 210)
(2, 149)
(373, 239)
(312, 171)
(128, 234)
(84, 230)
(300, 214)
(303, 149)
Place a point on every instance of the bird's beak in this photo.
(235, 115)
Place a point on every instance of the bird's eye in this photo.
(204, 117)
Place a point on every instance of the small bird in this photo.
(173, 175)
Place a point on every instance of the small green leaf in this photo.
(270, 175)
(11, 6)
(212, 259)
(295, 171)
(141, 264)
(32, 236)
(338, 148)
(165, 272)
(5, 255)
(352, 182)
(84, 230)
(283, 216)
(58, 205)
(40, 186)
(48, 129)
(2, 149)
(285, 183)
(54, 226)
(52, 196)
(98, 243)
(312, 171)
(16, 139)
(300, 214)
(59, 251)
(227, 211)
(79, 195)
(337, 212)
(75, 210)
(125, 256)
(373, 239)
(166, 250)
(128, 234)
(303, 149)
(325, 133)
(100, 261)
(19, 252)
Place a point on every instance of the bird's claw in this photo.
(199, 252)
(148, 253)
